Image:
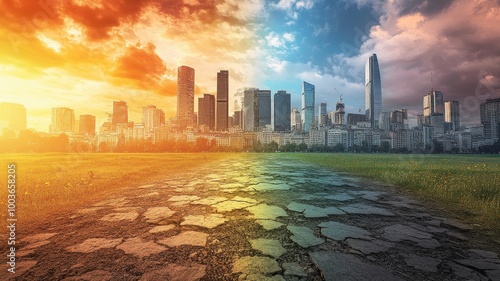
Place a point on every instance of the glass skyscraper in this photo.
(222, 100)
(185, 96)
(282, 110)
(373, 91)
(307, 114)
(264, 107)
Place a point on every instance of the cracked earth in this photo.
(258, 217)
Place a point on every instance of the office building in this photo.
(433, 103)
(264, 108)
(282, 110)
(63, 120)
(87, 125)
(452, 114)
(250, 110)
(490, 118)
(206, 111)
(152, 118)
(222, 100)
(354, 119)
(120, 113)
(295, 118)
(308, 100)
(13, 116)
(339, 113)
(185, 96)
(373, 91)
(323, 115)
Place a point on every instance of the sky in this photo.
(84, 54)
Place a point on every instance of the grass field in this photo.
(464, 185)
(54, 183)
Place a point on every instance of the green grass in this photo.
(467, 186)
(53, 183)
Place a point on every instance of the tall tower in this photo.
(185, 96)
(222, 100)
(249, 111)
(452, 114)
(282, 107)
(63, 120)
(296, 123)
(87, 125)
(323, 115)
(13, 116)
(490, 118)
(307, 114)
(339, 112)
(120, 113)
(373, 91)
(264, 108)
(206, 111)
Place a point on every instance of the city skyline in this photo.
(56, 58)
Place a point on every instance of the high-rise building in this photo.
(452, 114)
(152, 118)
(185, 96)
(296, 120)
(323, 115)
(87, 125)
(206, 111)
(13, 115)
(339, 113)
(353, 119)
(433, 103)
(237, 118)
(222, 100)
(373, 91)
(307, 114)
(63, 120)
(433, 106)
(282, 110)
(264, 108)
(120, 113)
(398, 120)
(249, 112)
(490, 118)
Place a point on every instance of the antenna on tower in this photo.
(432, 81)
(339, 94)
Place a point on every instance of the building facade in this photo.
(63, 120)
(308, 100)
(264, 108)
(185, 96)
(452, 114)
(120, 113)
(373, 91)
(282, 112)
(206, 111)
(222, 100)
(13, 116)
(490, 118)
(87, 125)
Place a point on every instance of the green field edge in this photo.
(463, 187)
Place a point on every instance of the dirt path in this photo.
(254, 217)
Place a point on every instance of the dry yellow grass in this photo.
(55, 183)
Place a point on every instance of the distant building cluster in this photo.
(261, 122)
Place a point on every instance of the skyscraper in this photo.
(296, 120)
(206, 111)
(452, 114)
(339, 113)
(13, 115)
(264, 108)
(323, 115)
(87, 125)
(249, 112)
(490, 118)
(222, 100)
(307, 114)
(373, 91)
(152, 117)
(434, 111)
(63, 120)
(185, 96)
(282, 107)
(433, 103)
(120, 113)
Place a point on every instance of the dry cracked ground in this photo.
(258, 217)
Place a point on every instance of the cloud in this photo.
(143, 68)
(456, 41)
